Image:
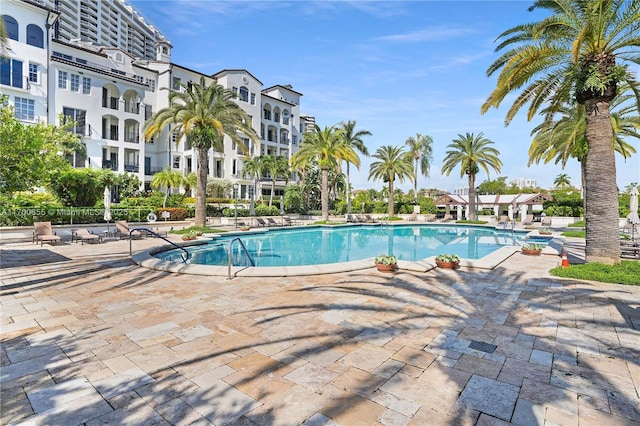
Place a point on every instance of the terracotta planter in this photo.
(188, 239)
(386, 268)
(447, 265)
(530, 252)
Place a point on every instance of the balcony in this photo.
(132, 138)
(152, 170)
(106, 164)
(132, 168)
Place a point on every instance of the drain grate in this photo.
(482, 346)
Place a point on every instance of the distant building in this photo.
(461, 191)
(524, 183)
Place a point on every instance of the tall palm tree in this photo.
(255, 169)
(393, 163)
(328, 148)
(471, 153)
(562, 181)
(275, 166)
(204, 114)
(353, 137)
(421, 151)
(576, 52)
(167, 179)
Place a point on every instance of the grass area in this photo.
(576, 234)
(626, 272)
(578, 224)
(203, 229)
(328, 222)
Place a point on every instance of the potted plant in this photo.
(544, 231)
(245, 228)
(189, 235)
(447, 261)
(386, 263)
(532, 249)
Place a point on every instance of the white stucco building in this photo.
(110, 92)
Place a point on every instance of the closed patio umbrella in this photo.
(632, 217)
(107, 206)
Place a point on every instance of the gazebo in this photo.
(514, 203)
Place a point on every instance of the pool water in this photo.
(319, 245)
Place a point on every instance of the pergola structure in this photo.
(512, 202)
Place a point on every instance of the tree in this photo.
(190, 181)
(496, 186)
(275, 165)
(80, 187)
(421, 152)
(471, 153)
(328, 148)
(562, 181)
(353, 138)
(393, 163)
(204, 114)
(31, 154)
(167, 179)
(254, 168)
(572, 55)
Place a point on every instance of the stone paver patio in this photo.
(89, 338)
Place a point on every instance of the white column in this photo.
(459, 211)
(523, 212)
(510, 214)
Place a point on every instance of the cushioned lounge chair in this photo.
(261, 222)
(447, 218)
(122, 230)
(528, 220)
(42, 232)
(370, 219)
(546, 221)
(430, 218)
(83, 235)
(271, 222)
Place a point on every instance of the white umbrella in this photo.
(633, 206)
(107, 205)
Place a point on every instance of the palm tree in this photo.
(204, 114)
(353, 137)
(393, 163)
(328, 148)
(190, 181)
(562, 181)
(573, 53)
(275, 165)
(255, 169)
(421, 152)
(167, 179)
(472, 153)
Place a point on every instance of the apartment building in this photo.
(110, 93)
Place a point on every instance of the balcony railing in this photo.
(109, 165)
(132, 168)
(152, 170)
(132, 137)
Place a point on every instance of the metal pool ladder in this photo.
(229, 252)
(185, 255)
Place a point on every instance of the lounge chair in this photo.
(271, 222)
(122, 230)
(261, 222)
(351, 219)
(528, 220)
(413, 217)
(370, 219)
(447, 218)
(287, 221)
(504, 220)
(630, 249)
(42, 232)
(430, 218)
(546, 221)
(83, 235)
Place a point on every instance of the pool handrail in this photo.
(230, 258)
(184, 259)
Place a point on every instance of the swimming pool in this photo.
(323, 245)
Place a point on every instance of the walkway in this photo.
(88, 337)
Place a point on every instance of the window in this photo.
(86, 85)
(35, 36)
(152, 84)
(75, 83)
(62, 79)
(11, 72)
(176, 83)
(176, 162)
(244, 94)
(11, 27)
(25, 109)
(33, 73)
(77, 116)
(234, 167)
(253, 99)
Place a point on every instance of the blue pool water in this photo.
(318, 245)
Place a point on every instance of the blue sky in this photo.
(397, 68)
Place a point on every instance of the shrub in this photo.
(177, 213)
(386, 259)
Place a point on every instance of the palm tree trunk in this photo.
(348, 191)
(601, 194)
(415, 181)
(325, 194)
(472, 197)
(201, 187)
(273, 190)
(391, 206)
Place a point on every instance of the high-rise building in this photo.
(111, 23)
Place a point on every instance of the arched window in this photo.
(244, 94)
(35, 36)
(11, 26)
